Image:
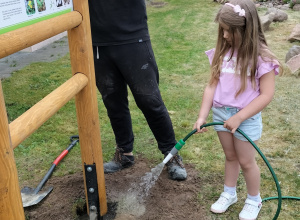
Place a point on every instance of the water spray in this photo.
(181, 143)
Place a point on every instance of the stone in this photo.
(292, 60)
(296, 7)
(295, 35)
(284, 7)
(294, 65)
(279, 14)
(266, 20)
(293, 51)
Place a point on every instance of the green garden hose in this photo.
(279, 197)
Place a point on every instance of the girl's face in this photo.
(227, 35)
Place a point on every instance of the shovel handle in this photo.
(65, 152)
(55, 163)
(44, 180)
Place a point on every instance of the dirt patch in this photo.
(167, 199)
(157, 4)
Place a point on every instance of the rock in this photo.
(292, 60)
(222, 1)
(295, 35)
(279, 14)
(284, 7)
(296, 7)
(266, 20)
(294, 65)
(293, 51)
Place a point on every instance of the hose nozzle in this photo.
(174, 151)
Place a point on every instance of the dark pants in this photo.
(133, 65)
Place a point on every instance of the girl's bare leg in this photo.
(246, 157)
(232, 167)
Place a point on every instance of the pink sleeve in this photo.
(267, 66)
(210, 54)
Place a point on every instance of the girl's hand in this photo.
(198, 124)
(233, 123)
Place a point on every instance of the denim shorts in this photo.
(252, 127)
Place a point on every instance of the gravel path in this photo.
(19, 60)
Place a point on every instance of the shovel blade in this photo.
(29, 198)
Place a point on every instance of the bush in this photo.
(294, 2)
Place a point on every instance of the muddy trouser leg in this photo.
(113, 89)
(137, 64)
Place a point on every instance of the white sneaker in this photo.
(222, 204)
(250, 210)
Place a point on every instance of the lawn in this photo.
(181, 31)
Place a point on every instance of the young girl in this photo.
(241, 85)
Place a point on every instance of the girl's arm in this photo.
(267, 89)
(206, 105)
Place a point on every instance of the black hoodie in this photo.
(115, 22)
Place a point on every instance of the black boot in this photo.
(119, 162)
(176, 168)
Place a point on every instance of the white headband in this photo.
(237, 9)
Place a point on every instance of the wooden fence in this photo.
(81, 85)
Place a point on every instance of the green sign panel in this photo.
(15, 14)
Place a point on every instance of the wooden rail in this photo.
(38, 114)
(22, 38)
(82, 85)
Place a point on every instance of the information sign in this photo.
(15, 14)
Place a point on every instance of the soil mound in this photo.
(167, 199)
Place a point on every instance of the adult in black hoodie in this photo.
(124, 57)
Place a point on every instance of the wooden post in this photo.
(81, 54)
(11, 206)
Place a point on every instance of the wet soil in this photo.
(166, 200)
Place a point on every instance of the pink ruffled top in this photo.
(230, 83)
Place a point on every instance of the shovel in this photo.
(32, 196)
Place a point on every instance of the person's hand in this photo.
(198, 124)
(233, 123)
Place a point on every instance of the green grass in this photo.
(180, 31)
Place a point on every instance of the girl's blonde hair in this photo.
(251, 41)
